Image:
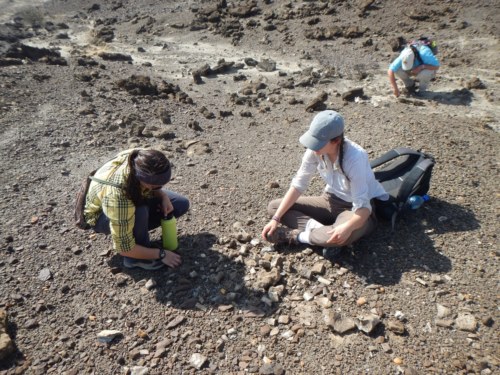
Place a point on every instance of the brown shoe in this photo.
(284, 235)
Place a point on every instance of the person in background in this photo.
(415, 64)
(344, 212)
(127, 198)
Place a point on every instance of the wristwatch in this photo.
(162, 254)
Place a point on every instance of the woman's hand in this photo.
(269, 229)
(340, 234)
(166, 205)
(172, 259)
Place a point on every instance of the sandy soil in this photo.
(231, 130)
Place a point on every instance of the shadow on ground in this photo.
(15, 357)
(206, 279)
(461, 97)
(387, 255)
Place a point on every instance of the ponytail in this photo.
(133, 186)
(341, 156)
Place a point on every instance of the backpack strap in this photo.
(411, 180)
(392, 154)
(105, 182)
(417, 54)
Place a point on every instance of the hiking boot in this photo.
(146, 264)
(284, 235)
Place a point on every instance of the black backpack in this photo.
(403, 172)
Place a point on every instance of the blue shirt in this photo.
(425, 53)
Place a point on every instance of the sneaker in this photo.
(146, 264)
(332, 253)
(284, 235)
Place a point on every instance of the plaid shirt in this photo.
(113, 202)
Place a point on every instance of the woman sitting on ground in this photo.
(127, 199)
(344, 212)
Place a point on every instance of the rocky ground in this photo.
(225, 89)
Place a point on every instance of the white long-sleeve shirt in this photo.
(359, 189)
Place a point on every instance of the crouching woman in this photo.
(127, 199)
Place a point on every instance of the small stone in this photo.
(265, 330)
(175, 322)
(446, 323)
(284, 319)
(308, 296)
(395, 326)
(197, 360)
(386, 347)
(31, 324)
(139, 370)
(420, 281)
(367, 323)
(305, 273)
(342, 271)
(339, 323)
(442, 311)
(361, 301)
(324, 281)
(487, 321)
(318, 268)
(108, 335)
(466, 322)
(399, 315)
(81, 266)
(45, 274)
(324, 302)
(397, 361)
(150, 284)
(142, 334)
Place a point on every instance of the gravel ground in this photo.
(225, 89)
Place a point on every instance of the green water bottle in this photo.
(169, 232)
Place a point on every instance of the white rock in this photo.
(150, 284)
(367, 323)
(466, 322)
(108, 335)
(324, 281)
(324, 302)
(399, 315)
(288, 334)
(255, 242)
(197, 360)
(308, 296)
(139, 370)
(274, 331)
(442, 311)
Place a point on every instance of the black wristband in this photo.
(162, 254)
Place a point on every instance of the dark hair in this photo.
(341, 154)
(149, 162)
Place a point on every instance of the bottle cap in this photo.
(426, 197)
(168, 216)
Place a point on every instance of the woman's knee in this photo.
(181, 206)
(272, 207)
